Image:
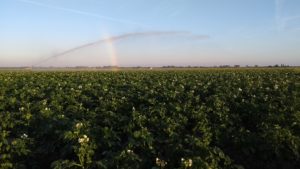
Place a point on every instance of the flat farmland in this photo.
(176, 118)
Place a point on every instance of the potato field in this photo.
(150, 119)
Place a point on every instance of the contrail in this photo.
(80, 12)
(283, 21)
(279, 22)
(125, 36)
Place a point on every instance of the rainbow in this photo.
(111, 49)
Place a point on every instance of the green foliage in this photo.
(210, 119)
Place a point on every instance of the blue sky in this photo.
(245, 32)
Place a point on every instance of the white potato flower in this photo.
(129, 151)
(24, 135)
(187, 162)
(160, 163)
(79, 125)
(80, 140)
(84, 139)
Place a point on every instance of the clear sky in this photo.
(149, 32)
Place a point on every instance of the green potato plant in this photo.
(171, 119)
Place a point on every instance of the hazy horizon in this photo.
(143, 33)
